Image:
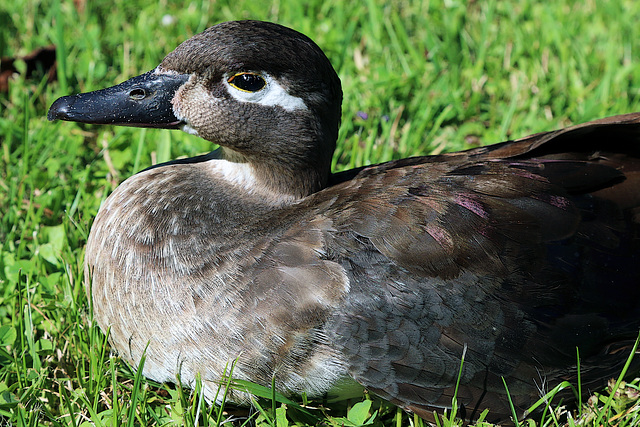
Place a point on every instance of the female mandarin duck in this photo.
(516, 253)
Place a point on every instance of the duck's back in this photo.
(514, 255)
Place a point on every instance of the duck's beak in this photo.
(142, 101)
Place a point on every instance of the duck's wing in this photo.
(512, 255)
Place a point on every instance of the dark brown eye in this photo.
(247, 82)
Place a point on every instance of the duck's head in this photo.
(265, 93)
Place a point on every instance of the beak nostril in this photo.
(137, 94)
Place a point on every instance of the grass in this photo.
(419, 77)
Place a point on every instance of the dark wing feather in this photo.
(514, 254)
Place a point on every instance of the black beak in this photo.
(142, 101)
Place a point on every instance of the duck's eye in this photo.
(247, 82)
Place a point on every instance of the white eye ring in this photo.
(271, 94)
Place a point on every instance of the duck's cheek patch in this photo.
(270, 95)
(183, 101)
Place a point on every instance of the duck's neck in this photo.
(286, 178)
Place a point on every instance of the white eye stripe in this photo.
(272, 94)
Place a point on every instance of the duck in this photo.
(421, 280)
